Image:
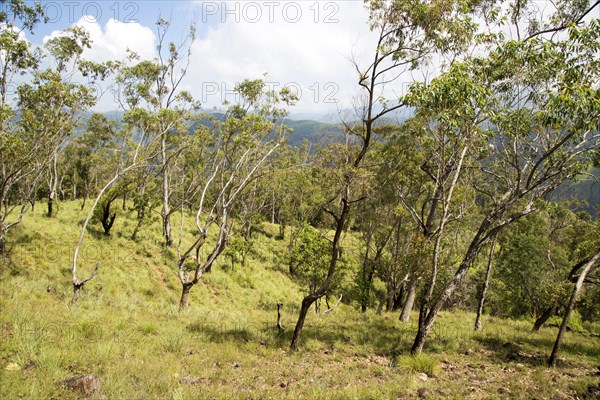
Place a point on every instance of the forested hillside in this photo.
(160, 251)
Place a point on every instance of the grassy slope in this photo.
(127, 329)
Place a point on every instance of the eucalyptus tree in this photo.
(309, 257)
(377, 221)
(21, 153)
(484, 288)
(573, 239)
(542, 116)
(448, 113)
(130, 152)
(407, 34)
(586, 269)
(18, 57)
(60, 108)
(155, 86)
(87, 158)
(129, 159)
(236, 150)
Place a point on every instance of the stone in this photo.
(12, 367)
(422, 377)
(85, 384)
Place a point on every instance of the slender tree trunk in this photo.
(166, 213)
(390, 295)
(248, 231)
(370, 276)
(563, 326)
(279, 324)
(398, 296)
(50, 205)
(74, 194)
(311, 298)
(428, 319)
(86, 195)
(486, 282)
(382, 301)
(364, 297)
(52, 186)
(184, 302)
(107, 219)
(546, 315)
(306, 303)
(2, 244)
(60, 188)
(410, 298)
(273, 208)
(76, 290)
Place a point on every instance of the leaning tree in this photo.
(542, 116)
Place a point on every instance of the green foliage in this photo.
(535, 260)
(237, 250)
(419, 364)
(575, 322)
(310, 257)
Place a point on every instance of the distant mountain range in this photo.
(323, 130)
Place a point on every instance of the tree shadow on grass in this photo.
(514, 351)
(377, 336)
(219, 333)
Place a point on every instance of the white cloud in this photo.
(311, 53)
(305, 45)
(112, 42)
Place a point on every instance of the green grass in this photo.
(127, 329)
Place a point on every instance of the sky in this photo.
(304, 45)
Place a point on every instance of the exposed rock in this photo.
(84, 384)
(12, 367)
(422, 392)
(422, 377)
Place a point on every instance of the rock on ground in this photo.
(84, 384)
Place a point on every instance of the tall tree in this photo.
(155, 86)
(407, 34)
(543, 122)
(22, 153)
